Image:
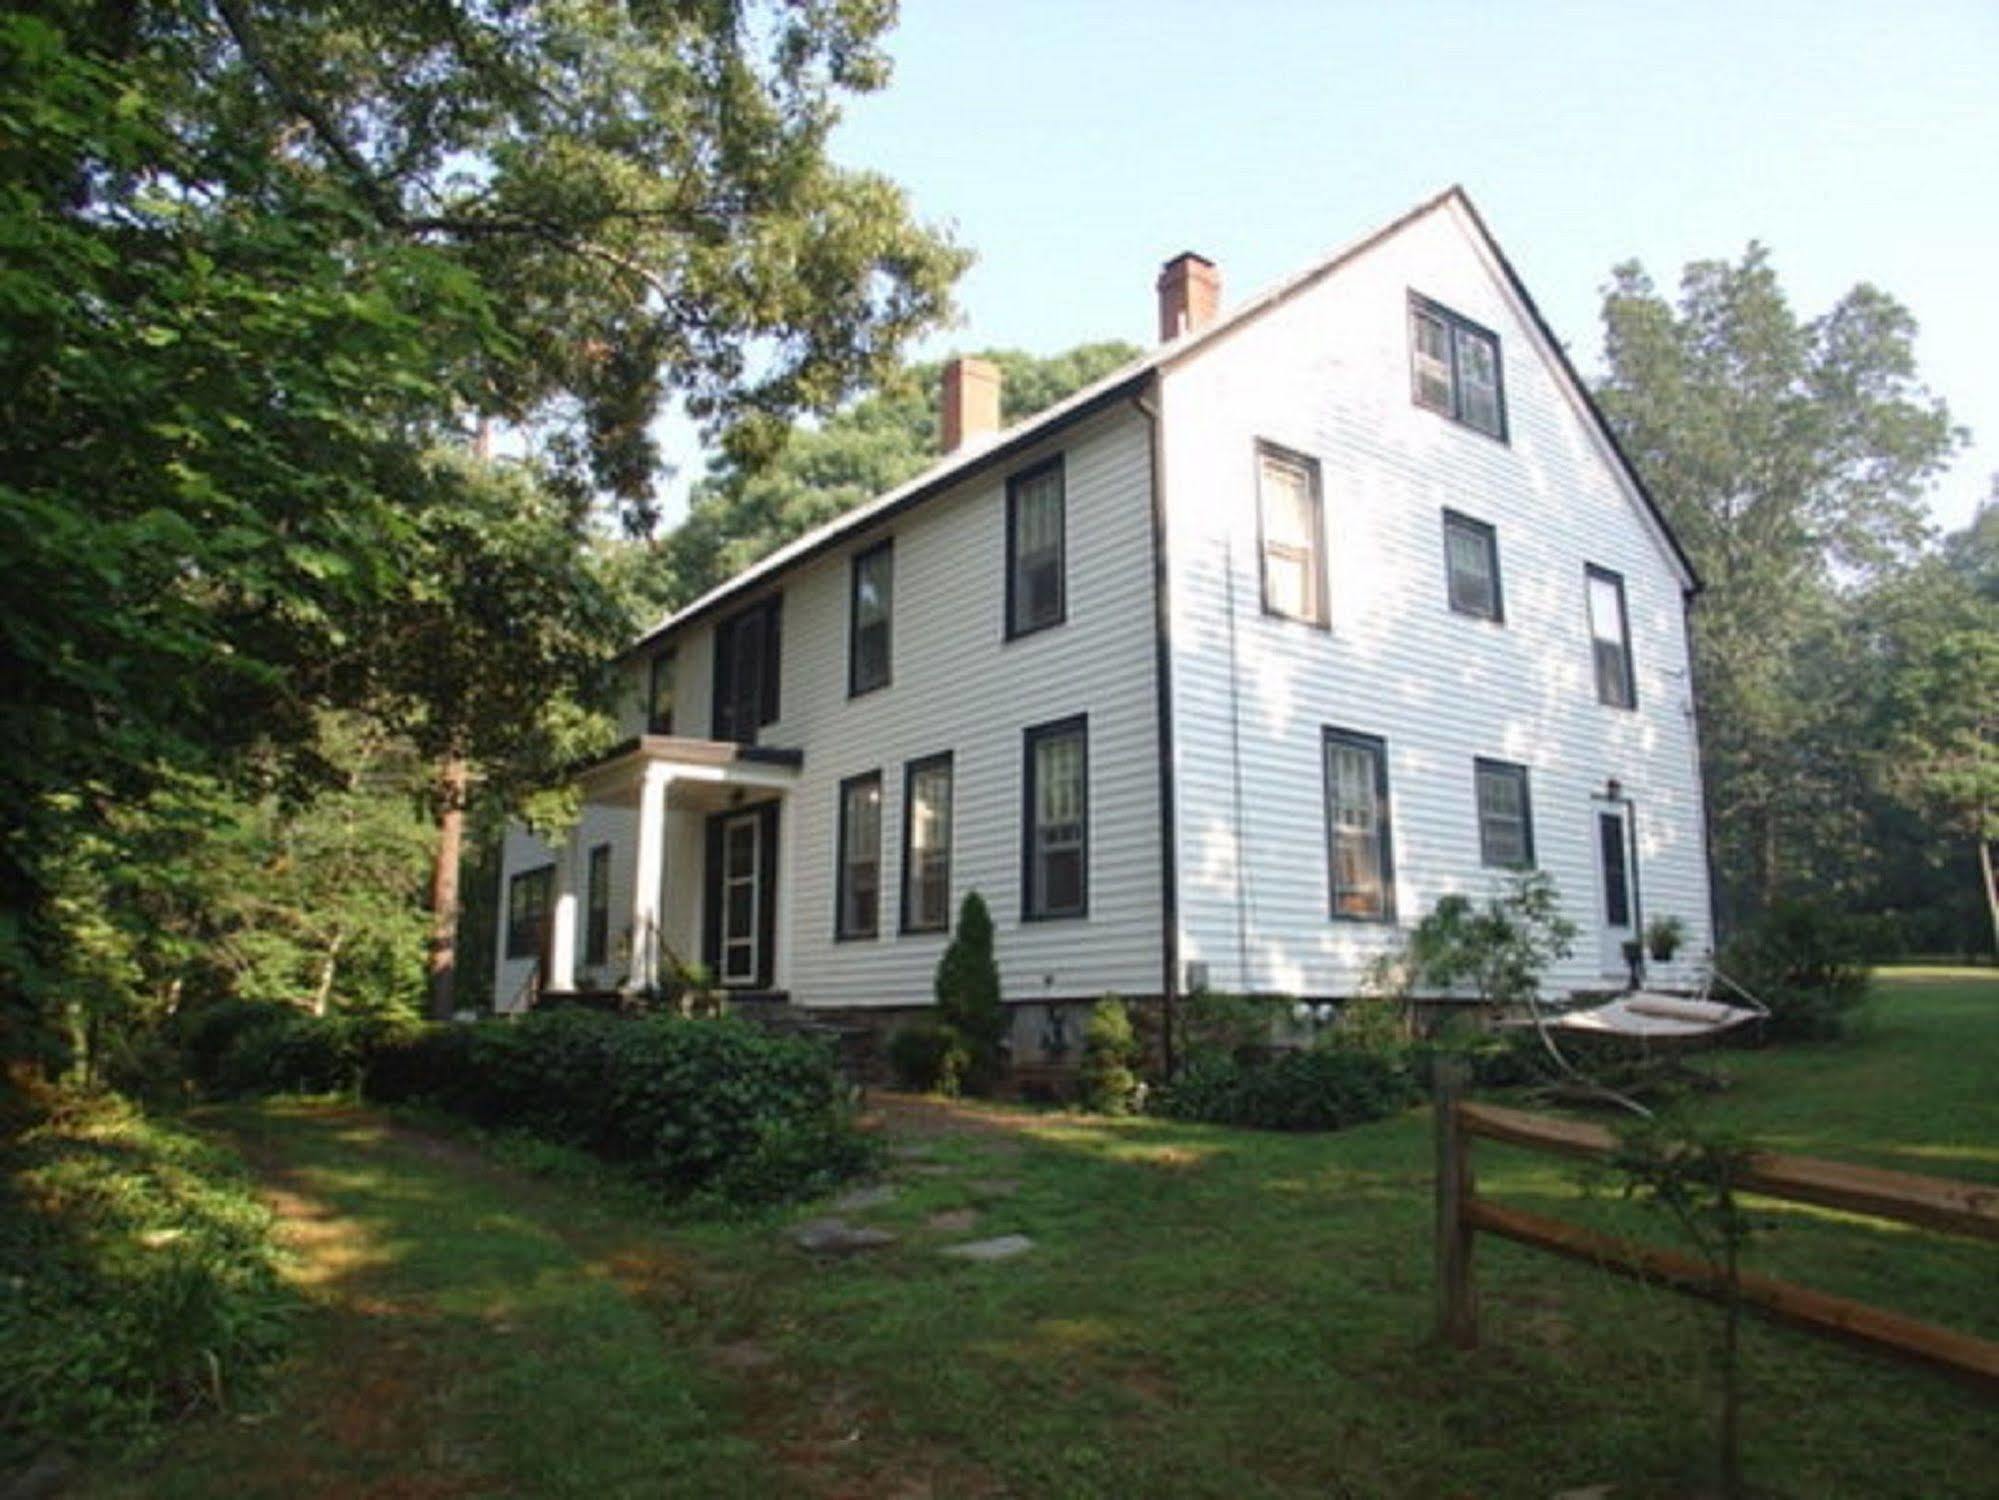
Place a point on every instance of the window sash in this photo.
(1036, 516)
(1471, 554)
(1477, 365)
(659, 694)
(1058, 832)
(1362, 865)
(1430, 343)
(860, 856)
(873, 611)
(926, 858)
(1505, 830)
(528, 899)
(1290, 512)
(1610, 637)
(597, 907)
(1455, 367)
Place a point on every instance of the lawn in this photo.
(1204, 1312)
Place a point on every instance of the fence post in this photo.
(1457, 1303)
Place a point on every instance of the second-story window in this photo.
(868, 619)
(926, 845)
(860, 872)
(746, 672)
(659, 694)
(597, 908)
(1057, 806)
(1291, 520)
(1036, 589)
(1610, 639)
(1454, 367)
(1471, 562)
(1505, 817)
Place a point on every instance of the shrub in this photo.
(205, 1033)
(1233, 1025)
(1806, 962)
(968, 994)
(141, 1280)
(1501, 949)
(926, 1058)
(290, 1053)
(1110, 1058)
(715, 1107)
(1323, 1088)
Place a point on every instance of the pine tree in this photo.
(968, 994)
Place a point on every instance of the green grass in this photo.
(1206, 1313)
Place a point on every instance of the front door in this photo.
(1617, 904)
(741, 926)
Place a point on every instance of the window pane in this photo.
(1290, 519)
(659, 705)
(1478, 380)
(1057, 803)
(860, 874)
(1037, 550)
(874, 578)
(1430, 342)
(927, 861)
(1469, 551)
(1358, 830)
(1616, 884)
(1612, 650)
(1502, 814)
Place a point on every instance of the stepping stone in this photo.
(859, 1198)
(1005, 1247)
(996, 1187)
(909, 1153)
(953, 1220)
(744, 1354)
(838, 1237)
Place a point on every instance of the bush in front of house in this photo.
(140, 1279)
(1108, 1077)
(720, 1108)
(968, 995)
(1320, 1088)
(925, 1057)
(1807, 962)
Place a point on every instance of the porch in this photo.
(691, 829)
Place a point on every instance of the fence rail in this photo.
(1930, 1202)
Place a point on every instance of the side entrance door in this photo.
(1617, 903)
(740, 898)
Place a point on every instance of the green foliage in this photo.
(1663, 937)
(742, 512)
(1109, 1075)
(1792, 457)
(1807, 962)
(927, 1058)
(717, 1108)
(1500, 949)
(1319, 1088)
(968, 995)
(1229, 1025)
(138, 1281)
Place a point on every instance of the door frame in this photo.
(1610, 955)
(765, 815)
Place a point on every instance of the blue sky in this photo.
(1076, 145)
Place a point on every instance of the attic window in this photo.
(1454, 367)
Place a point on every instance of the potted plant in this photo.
(1663, 935)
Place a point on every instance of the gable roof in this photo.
(1127, 381)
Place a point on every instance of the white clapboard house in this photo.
(1215, 674)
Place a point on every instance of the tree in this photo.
(1791, 457)
(742, 512)
(968, 994)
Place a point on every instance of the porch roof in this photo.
(617, 774)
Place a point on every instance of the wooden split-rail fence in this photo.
(1934, 1203)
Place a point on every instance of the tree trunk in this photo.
(1991, 888)
(329, 965)
(452, 777)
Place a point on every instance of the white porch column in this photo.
(561, 975)
(647, 872)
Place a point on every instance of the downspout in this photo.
(1162, 653)
(1687, 598)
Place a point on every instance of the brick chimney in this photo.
(1190, 294)
(971, 404)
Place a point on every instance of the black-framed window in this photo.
(870, 600)
(860, 882)
(1037, 592)
(1471, 566)
(1611, 849)
(1610, 638)
(1360, 846)
(1505, 814)
(1056, 821)
(926, 844)
(1291, 530)
(746, 671)
(530, 894)
(597, 907)
(1455, 367)
(659, 694)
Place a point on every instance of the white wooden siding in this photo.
(1327, 375)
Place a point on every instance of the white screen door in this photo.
(742, 854)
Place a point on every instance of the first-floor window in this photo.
(926, 845)
(1505, 821)
(529, 896)
(860, 856)
(597, 908)
(1058, 816)
(1357, 833)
